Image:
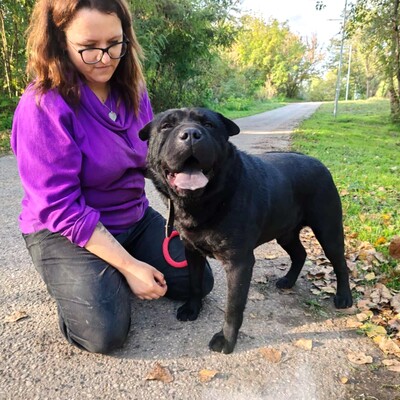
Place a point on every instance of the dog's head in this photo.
(186, 146)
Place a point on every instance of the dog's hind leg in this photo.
(292, 245)
(331, 240)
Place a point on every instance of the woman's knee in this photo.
(98, 336)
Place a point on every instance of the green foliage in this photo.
(361, 148)
(14, 17)
(180, 39)
(7, 107)
(377, 22)
(279, 59)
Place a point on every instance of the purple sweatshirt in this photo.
(79, 167)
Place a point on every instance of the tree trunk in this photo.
(394, 88)
(5, 54)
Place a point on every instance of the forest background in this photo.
(208, 53)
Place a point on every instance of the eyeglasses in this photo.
(93, 55)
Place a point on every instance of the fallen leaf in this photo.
(370, 277)
(344, 380)
(359, 358)
(380, 240)
(364, 316)
(16, 316)
(363, 305)
(206, 375)
(381, 294)
(159, 373)
(270, 354)
(395, 303)
(387, 345)
(351, 323)
(254, 295)
(328, 289)
(394, 248)
(306, 344)
(372, 330)
(392, 365)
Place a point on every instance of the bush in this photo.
(7, 107)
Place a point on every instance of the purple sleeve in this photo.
(49, 162)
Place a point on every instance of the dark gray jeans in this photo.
(93, 298)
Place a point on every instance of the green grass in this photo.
(361, 147)
(238, 108)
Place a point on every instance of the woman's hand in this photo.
(145, 281)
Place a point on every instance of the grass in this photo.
(361, 148)
(237, 109)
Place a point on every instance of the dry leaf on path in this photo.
(16, 316)
(206, 375)
(392, 365)
(359, 358)
(387, 345)
(159, 373)
(270, 354)
(306, 344)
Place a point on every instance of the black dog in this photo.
(227, 203)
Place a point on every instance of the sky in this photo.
(302, 16)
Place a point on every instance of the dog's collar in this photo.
(170, 233)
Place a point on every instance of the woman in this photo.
(85, 217)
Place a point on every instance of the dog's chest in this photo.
(209, 243)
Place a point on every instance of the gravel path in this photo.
(37, 363)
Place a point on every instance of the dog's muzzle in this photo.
(197, 160)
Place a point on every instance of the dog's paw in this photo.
(284, 283)
(343, 301)
(220, 344)
(189, 311)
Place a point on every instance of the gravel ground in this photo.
(37, 363)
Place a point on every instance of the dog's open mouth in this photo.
(191, 177)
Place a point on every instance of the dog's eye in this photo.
(166, 125)
(208, 124)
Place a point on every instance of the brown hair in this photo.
(51, 68)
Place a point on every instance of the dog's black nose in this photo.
(192, 134)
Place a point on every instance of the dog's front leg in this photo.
(238, 278)
(191, 309)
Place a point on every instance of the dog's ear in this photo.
(144, 133)
(231, 127)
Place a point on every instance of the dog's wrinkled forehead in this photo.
(209, 120)
(183, 116)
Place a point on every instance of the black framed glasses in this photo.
(93, 55)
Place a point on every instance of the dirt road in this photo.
(36, 362)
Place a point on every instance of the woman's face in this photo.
(92, 28)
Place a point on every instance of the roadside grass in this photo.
(361, 147)
(239, 108)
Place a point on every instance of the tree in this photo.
(379, 24)
(279, 58)
(14, 18)
(180, 39)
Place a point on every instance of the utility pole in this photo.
(337, 94)
(348, 75)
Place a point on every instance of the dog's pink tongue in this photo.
(190, 179)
